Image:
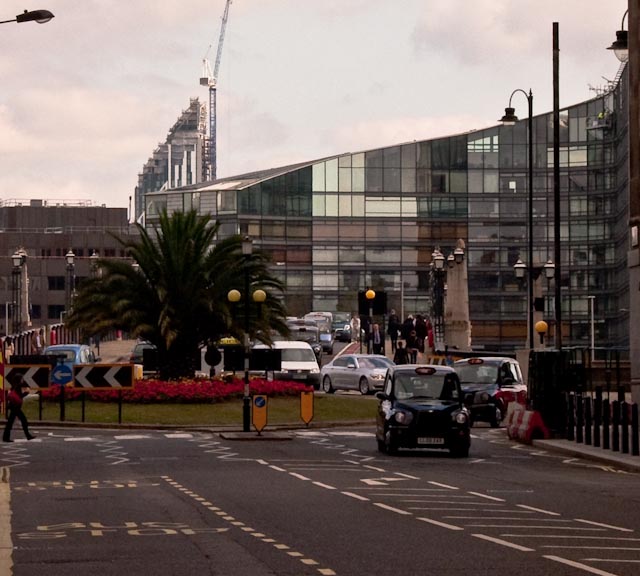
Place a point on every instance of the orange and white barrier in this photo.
(525, 425)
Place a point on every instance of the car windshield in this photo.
(69, 355)
(375, 362)
(477, 373)
(429, 386)
(304, 335)
(298, 355)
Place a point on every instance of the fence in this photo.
(603, 423)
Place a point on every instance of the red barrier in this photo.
(525, 425)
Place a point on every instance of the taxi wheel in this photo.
(496, 419)
(363, 386)
(327, 388)
(390, 446)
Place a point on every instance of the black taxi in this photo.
(421, 406)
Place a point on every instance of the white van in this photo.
(299, 362)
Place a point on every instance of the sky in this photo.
(86, 98)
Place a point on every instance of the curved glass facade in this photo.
(373, 219)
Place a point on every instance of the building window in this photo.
(56, 282)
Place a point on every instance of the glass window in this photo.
(344, 161)
(408, 183)
(324, 255)
(357, 160)
(326, 231)
(392, 157)
(331, 207)
(392, 180)
(439, 182)
(373, 159)
(440, 155)
(476, 181)
(458, 182)
(409, 207)
(424, 155)
(408, 152)
(373, 179)
(318, 205)
(382, 206)
(332, 175)
(357, 205)
(318, 177)
(344, 179)
(491, 182)
(357, 179)
(344, 205)
(227, 201)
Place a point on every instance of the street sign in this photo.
(61, 374)
(259, 412)
(35, 376)
(103, 375)
(306, 407)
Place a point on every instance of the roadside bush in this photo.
(191, 391)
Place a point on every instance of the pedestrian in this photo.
(355, 328)
(8, 349)
(393, 328)
(401, 355)
(37, 341)
(412, 347)
(376, 339)
(19, 390)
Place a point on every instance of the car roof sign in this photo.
(476, 361)
(425, 370)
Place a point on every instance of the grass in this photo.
(280, 411)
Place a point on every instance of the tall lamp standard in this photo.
(18, 260)
(370, 295)
(258, 296)
(70, 257)
(39, 16)
(621, 45)
(510, 119)
(438, 273)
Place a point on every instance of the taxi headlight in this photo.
(404, 418)
(461, 418)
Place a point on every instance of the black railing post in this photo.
(587, 420)
(616, 426)
(579, 419)
(597, 417)
(625, 427)
(635, 439)
(571, 418)
(606, 418)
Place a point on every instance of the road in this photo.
(319, 502)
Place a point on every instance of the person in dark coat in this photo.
(421, 333)
(393, 329)
(14, 403)
(412, 347)
(401, 355)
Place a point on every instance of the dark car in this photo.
(421, 406)
(341, 327)
(490, 384)
(306, 332)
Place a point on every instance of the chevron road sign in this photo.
(103, 375)
(35, 375)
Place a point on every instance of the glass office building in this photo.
(373, 219)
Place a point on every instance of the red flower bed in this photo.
(197, 390)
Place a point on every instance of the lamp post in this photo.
(510, 118)
(93, 264)
(370, 295)
(18, 259)
(39, 16)
(437, 285)
(457, 326)
(69, 257)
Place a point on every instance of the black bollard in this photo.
(615, 423)
(625, 427)
(587, 420)
(635, 439)
(597, 417)
(571, 419)
(579, 419)
(606, 418)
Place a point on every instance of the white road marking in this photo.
(564, 537)
(603, 525)
(441, 524)
(503, 543)
(611, 560)
(131, 437)
(356, 496)
(487, 496)
(593, 547)
(537, 510)
(392, 509)
(579, 566)
(299, 476)
(443, 485)
(179, 435)
(380, 481)
(324, 485)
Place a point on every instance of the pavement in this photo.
(119, 350)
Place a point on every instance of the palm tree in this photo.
(175, 294)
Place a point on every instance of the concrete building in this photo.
(37, 292)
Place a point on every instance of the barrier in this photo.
(513, 419)
(525, 425)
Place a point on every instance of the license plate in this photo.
(430, 440)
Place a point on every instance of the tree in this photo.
(175, 294)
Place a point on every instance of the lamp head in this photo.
(247, 246)
(438, 259)
(520, 267)
(509, 117)
(621, 46)
(259, 296)
(370, 294)
(70, 256)
(40, 16)
(541, 327)
(16, 259)
(458, 255)
(451, 261)
(234, 296)
(549, 270)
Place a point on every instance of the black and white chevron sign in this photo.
(103, 376)
(35, 375)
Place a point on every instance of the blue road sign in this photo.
(62, 375)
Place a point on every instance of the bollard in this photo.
(625, 427)
(606, 417)
(579, 419)
(571, 420)
(597, 417)
(587, 420)
(615, 423)
(635, 439)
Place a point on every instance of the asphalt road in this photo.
(321, 502)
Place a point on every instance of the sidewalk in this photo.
(607, 457)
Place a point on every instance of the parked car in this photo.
(305, 332)
(363, 372)
(421, 406)
(491, 384)
(341, 326)
(71, 354)
(298, 362)
(138, 356)
(323, 322)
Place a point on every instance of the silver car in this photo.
(363, 372)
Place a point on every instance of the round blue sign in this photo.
(260, 401)
(61, 374)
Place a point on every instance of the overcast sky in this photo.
(86, 98)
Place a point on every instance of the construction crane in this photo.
(210, 79)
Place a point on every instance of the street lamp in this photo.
(18, 260)
(370, 295)
(510, 119)
(69, 257)
(93, 264)
(438, 273)
(39, 16)
(621, 45)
